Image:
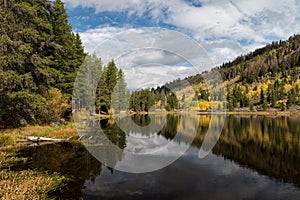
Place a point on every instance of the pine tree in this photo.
(111, 75)
(106, 86)
(68, 52)
(120, 94)
(183, 98)
(262, 96)
(291, 98)
(86, 84)
(172, 102)
(38, 51)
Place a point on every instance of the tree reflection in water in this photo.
(268, 145)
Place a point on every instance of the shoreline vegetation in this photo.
(240, 112)
(17, 180)
(42, 59)
(9, 137)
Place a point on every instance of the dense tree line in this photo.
(111, 90)
(275, 68)
(39, 58)
(263, 79)
(154, 99)
(277, 59)
(100, 89)
(266, 78)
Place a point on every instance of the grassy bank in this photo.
(45, 170)
(9, 137)
(22, 183)
(18, 180)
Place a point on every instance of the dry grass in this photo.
(27, 183)
(24, 183)
(10, 136)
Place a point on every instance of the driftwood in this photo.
(34, 139)
(44, 139)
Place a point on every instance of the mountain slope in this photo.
(267, 78)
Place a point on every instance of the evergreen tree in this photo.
(291, 98)
(183, 98)
(172, 102)
(120, 94)
(262, 96)
(281, 94)
(142, 100)
(68, 52)
(38, 51)
(162, 97)
(107, 83)
(86, 90)
(251, 107)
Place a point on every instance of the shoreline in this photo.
(261, 113)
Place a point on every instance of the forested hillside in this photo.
(39, 59)
(267, 78)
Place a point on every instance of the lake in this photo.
(256, 157)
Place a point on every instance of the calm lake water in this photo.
(256, 157)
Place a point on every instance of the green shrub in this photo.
(251, 107)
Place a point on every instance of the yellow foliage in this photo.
(56, 106)
(264, 86)
(204, 105)
(110, 112)
(287, 87)
(297, 82)
(253, 94)
(282, 101)
(111, 121)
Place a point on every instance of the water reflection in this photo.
(188, 178)
(71, 160)
(270, 146)
(256, 157)
(145, 149)
(267, 145)
(141, 120)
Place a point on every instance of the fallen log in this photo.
(44, 139)
(24, 142)
(37, 140)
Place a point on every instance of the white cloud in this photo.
(155, 75)
(137, 6)
(148, 57)
(225, 29)
(236, 20)
(92, 38)
(223, 50)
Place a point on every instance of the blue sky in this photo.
(224, 28)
